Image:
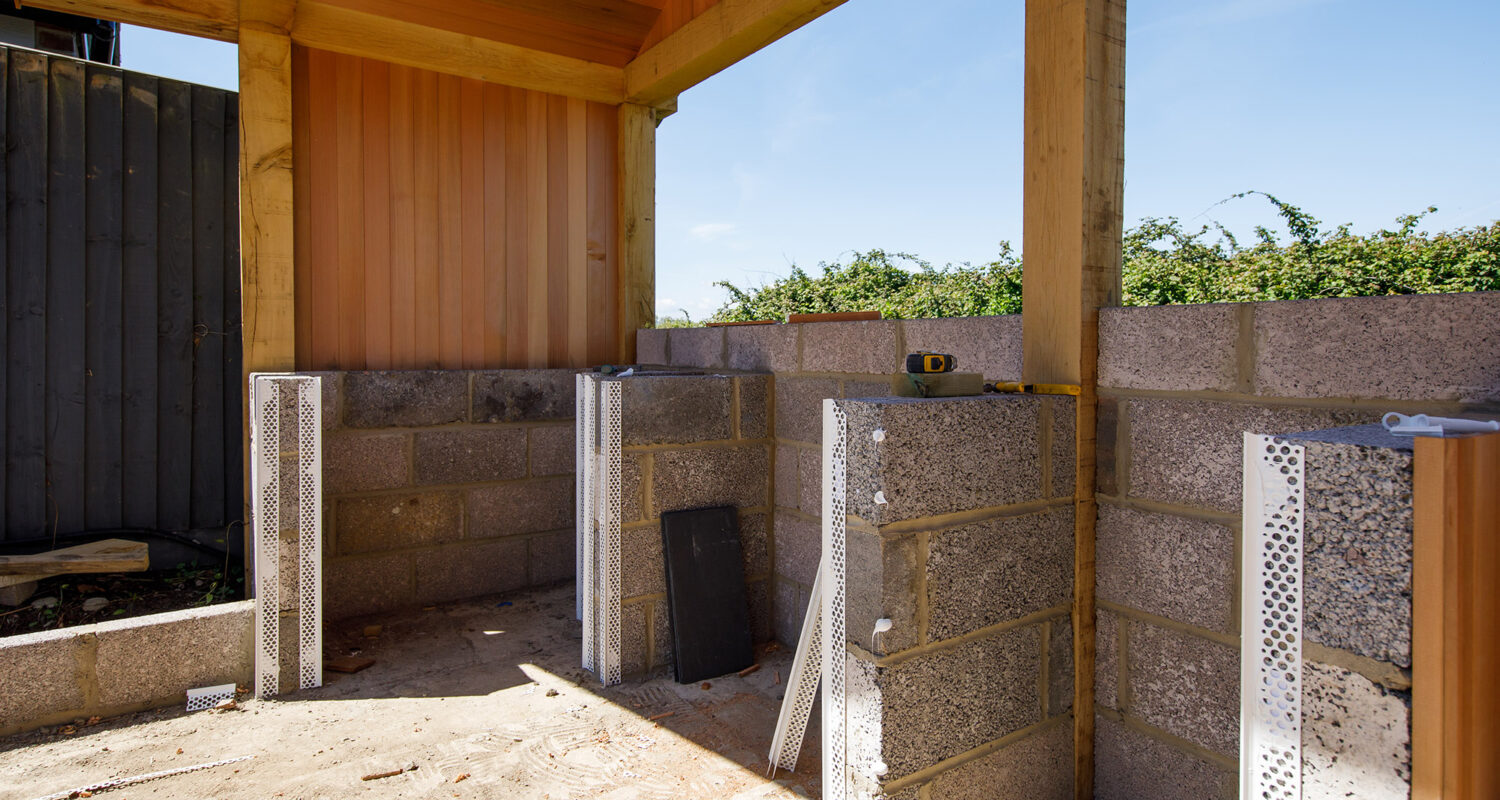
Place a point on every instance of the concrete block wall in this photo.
(440, 485)
(970, 555)
(690, 441)
(1178, 386)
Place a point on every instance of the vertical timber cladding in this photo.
(444, 222)
(119, 243)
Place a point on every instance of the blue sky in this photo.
(894, 124)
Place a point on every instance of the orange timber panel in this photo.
(444, 223)
(674, 15)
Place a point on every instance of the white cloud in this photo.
(709, 231)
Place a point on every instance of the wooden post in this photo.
(267, 292)
(1074, 199)
(637, 214)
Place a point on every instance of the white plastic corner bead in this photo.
(834, 590)
(599, 436)
(209, 696)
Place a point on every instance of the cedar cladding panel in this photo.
(447, 223)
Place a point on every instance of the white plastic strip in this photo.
(309, 531)
(1271, 619)
(580, 469)
(609, 546)
(802, 685)
(836, 776)
(588, 430)
(209, 696)
(265, 480)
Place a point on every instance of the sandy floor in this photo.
(468, 689)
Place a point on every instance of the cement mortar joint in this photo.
(926, 775)
(893, 659)
(1355, 403)
(1147, 617)
(1175, 742)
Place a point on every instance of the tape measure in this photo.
(924, 362)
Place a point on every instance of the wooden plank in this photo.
(377, 209)
(345, 30)
(236, 431)
(449, 243)
(347, 99)
(1430, 478)
(213, 19)
(302, 156)
(402, 209)
(495, 240)
(471, 159)
(517, 263)
(557, 233)
(426, 305)
(138, 266)
(108, 555)
(104, 332)
(603, 306)
(174, 306)
(636, 167)
(578, 321)
(840, 316)
(324, 214)
(66, 299)
(5, 310)
(267, 229)
(537, 233)
(26, 294)
(208, 308)
(722, 35)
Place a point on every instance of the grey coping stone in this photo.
(356, 463)
(469, 455)
(42, 678)
(159, 657)
(710, 476)
(1060, 666)
(1038, 767)
(405, 399)
(799, 546)
(1017, 565)
(1174, 567)
(394, 522)
(1175, 348)
(633, 486)
(868, 347)
(767, 347)
(696, 347)
(470, 570)
(1130, 765)
(810, 481)
(1106, 658)
(356, 586)
(1191, 452)
(529, 506)
(990, 346)
(883, 583)
(642, 567)
(941, 704)
(1186, 685)
(788, 476)
(799, 407)
(553, 449)
(1357, 550)
(941, 455)
(1064, 445)
(1356, 737)
(755, 545)
(551, 557)
(675, 409)
(754, 406)
(789, 608)
(1409, 347)
(651, 346)
(758, 597)
(524, 395)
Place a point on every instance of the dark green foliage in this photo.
(1164, 264)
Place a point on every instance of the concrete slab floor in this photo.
(473, 688)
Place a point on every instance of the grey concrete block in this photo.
(788, 476)
(1038, 767)
(356, 586)
(524, 395)
(1175, 348)
(1064, 445)
(159, 657)
(552, 449)
(661, 634)
(551, 557)
(758, 597)
(1130, 765)
(635, 638)
(1357, 530)
(1356, 737)
(353, 463)
(470, 570)
(789, 608)
(1017, 565)
(755, 545)
(763, 347)
(810, 481)
(868, 389)
(799, 407)
(642, 567)
(883, 583)
(633, 486)
(332, 390)
(530, 506)
(405, 399)
(377, 524)
(990, 346)
(712, 476)
(42, 676)
(1186, 685)
(651, 346)
(799, 545)
(1106, 658)
(1060, 666)
(696, 347)
(1409, 347)
(675, 409)
(868, 347)
(1190, 452)
(754, 398)
(938, 705)
(470, 455)
(1174, 567)
(941, 455)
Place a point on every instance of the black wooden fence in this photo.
(119, 238)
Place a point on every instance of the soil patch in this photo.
(66, 600)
